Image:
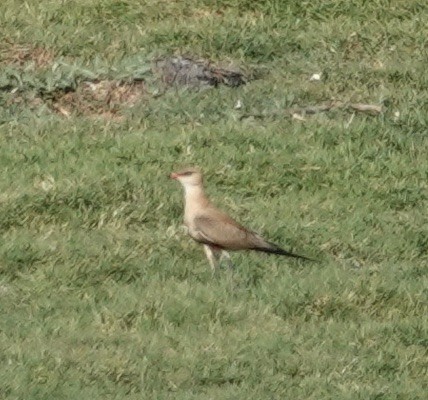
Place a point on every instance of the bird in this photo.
(214, 229)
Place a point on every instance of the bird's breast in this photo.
(193, 232)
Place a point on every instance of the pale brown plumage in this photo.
(213, 228)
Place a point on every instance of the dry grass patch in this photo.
(20, 55)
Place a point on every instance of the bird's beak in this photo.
(173, 175)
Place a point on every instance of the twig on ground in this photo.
(377, 109)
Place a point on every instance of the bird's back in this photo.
(212, 226)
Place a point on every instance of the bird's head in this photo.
(188, 177)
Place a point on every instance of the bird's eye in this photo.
(187, 173)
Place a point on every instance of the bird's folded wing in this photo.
(224, 232)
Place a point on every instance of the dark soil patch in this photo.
(183, 71)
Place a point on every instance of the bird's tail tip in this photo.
(274, 249)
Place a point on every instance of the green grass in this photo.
(103, 296)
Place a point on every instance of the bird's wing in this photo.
(220, 230)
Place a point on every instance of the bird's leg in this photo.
(212, 255)
(226, 255)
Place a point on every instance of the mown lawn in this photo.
(102, 294)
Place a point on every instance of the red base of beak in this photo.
(173, 175)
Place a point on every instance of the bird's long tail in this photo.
(272, 248)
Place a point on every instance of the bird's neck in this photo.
(195, 198)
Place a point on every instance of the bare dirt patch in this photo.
(104, 98)
(101, 98)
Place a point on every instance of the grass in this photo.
(104, 296)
